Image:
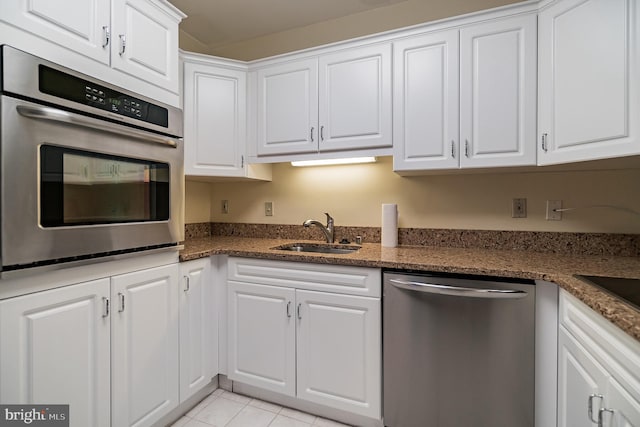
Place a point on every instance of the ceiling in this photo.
(216, 23)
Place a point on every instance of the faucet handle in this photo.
(329, 218)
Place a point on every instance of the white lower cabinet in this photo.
(598, 370)
(337, 350)
(111, 348)
(144, 338)
(198, 327)
(294, 328)
(54, 349)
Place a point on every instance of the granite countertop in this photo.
(556, 268)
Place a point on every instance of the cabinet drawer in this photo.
(341, 279)
(608, 344)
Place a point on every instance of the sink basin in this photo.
(318, 248)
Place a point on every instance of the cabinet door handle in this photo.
(187, 284)
(123, 44)
(288, 308)
(242, 161)
(106, 36)
(590, 406)
(545, 145)
(453, 149)
(601, 415)
(466, 148)
(105, 307)
(299, 313)
(121, 300)
(321, 133)
(312, 128)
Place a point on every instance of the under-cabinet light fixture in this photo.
(328, 162)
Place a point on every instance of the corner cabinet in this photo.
(598, 370)
(198, 327)
(336, 102)
(466, 97)
(308, 331)
(215, 109)
(589, 80)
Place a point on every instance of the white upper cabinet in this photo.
(287, 112)
(589, 81)
(466, 98)
(145, 42)
(426, 104)
(81, 25)
(332, 103)
(355, 99)
(138, 38)
(498, 93)
(215, 119)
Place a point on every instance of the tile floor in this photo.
(225, 409)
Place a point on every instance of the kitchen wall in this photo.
(353, 195)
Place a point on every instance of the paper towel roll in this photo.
(389, 236)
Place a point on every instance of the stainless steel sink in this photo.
(317, 248)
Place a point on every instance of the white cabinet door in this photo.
(215, 120)
(145, 42)
(287, 112)
(426, 102)
(355, 99)
(626, 407)
(54, 349)
(589, 83)
(198, 327)
(498, 93)
(144, 345)
(261, 336)
(80, 25)
(579, 377)
(339, 349)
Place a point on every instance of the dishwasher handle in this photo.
(459, 291)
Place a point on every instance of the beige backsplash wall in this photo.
(354, 194)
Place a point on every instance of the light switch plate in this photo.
(268, 208)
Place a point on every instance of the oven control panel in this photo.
(72, 88)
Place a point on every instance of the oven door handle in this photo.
(56, 115)
(432, 288)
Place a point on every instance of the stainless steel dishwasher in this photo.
(458, 351)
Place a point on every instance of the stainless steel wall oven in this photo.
(86, 169)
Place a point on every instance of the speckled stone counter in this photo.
(556, 268)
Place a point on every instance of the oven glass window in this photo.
(85, 188)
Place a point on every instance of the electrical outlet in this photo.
(268, 208)
(552, 213)
(224, 207)
(519, 208)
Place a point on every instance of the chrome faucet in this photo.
(328, 230)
